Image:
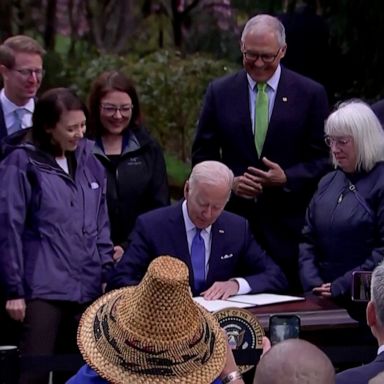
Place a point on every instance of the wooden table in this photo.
(315, 313)
(328, 326)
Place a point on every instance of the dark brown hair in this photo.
(107, 82)
(48, 111)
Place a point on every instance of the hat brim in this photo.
(117, 375)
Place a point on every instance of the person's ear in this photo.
(371, 314)
(3, 70)
(186, 189)
(283, 51)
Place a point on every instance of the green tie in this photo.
(261, 120)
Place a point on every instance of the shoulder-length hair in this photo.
(356, 119)
(110, 81)
(48, 111)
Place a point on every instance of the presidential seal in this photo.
(243, 330)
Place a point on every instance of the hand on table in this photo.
(221, 290)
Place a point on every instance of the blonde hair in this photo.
(18, 43)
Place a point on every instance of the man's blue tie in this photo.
(18, 120)
(198, 260)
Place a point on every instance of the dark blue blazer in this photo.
(378, 108)
(361, 375)
(294, 140)
(234, 251)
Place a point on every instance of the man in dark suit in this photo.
(375, 320)
(232, 260)
(21, 67)
(273, 185)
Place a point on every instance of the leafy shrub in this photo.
(171, 90)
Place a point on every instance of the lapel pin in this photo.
(221, 231)
(285, 99)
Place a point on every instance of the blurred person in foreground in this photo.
(375, 320)
(154, 333)
(134, 162)
(55, 247)
(294, 361)
(344, 229)
(222, 256)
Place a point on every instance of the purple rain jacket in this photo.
(54, 230)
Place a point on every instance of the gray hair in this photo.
(356, 119)
(213, 173)
(267, 22)
(377, 292)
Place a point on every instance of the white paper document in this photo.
(216, 305)
(264, 299)
(245, 301)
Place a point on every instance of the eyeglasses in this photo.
(265, 58)
(110, 109)
(339, 141)
(27, 72)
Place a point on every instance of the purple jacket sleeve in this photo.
(15, 193)
(104, 243)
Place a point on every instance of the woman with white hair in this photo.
(344, 228)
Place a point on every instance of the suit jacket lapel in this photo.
(217, 248)
(178, 235)
(241, 109)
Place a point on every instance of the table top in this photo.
(315, 313)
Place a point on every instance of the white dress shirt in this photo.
(9, 111)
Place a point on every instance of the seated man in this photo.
(218, 247)
(154, 333)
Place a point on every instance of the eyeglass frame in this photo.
(260, 56)
(117, 108)
(340, 142)
(28, 72)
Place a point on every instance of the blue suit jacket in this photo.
(162, 232)
(86, 375)
(294, 140)
(361, 375)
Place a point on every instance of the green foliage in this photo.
(171, 89)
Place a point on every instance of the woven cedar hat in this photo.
(154, 332)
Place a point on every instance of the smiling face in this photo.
(205, 202)
(258, 42)
(18, 86)
(115, 112)
(69, 130)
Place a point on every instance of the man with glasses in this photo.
(265, 123)
(21, 67)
